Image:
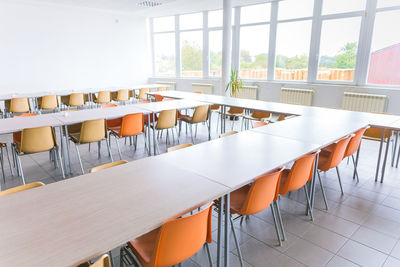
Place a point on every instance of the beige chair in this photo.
(103, 261)
(20, 188)
(228, 134)
(143, 93)
(103, 97)
(17, 105)
(108, 165)
(74, 100)
(36, 140)
(234, 113)
(167, 120)
(255, 116)
(48, 102)
(200, 115)
(91, 131)
(161, 89)
(174, 148)
(121, 96)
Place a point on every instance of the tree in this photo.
(297, 62)
(192, 56)
(347, 57)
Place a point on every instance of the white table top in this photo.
(11, 125)
(74, 220)
(167, 105)
(236, 160)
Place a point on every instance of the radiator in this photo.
(205, 88)
(364, 102)
(172, 85)
(248, 92)
(297, 96)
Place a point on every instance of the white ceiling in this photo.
(168, 7)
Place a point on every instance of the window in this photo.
(255, 13)
(388, 3)
(338, 49)
(342, 6)
(254, 51)
(215, 38)
(215, 18)
(291, 9)
(164, 24)
(191, 21)
(292, 48)
(192, 53)
(385, 51)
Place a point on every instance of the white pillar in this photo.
(226, 45)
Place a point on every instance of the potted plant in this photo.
(235, 84)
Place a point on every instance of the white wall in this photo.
(50, 47)
(324, 96)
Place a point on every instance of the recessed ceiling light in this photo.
(149, 4)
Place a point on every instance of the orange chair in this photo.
(132, 125)
(158, 97)
(174, 242)
(198, 92)
(354, 147)
(330, 157)
(255, 116)
(114, 122)
(259, 124)
(254, 198)
(4, 145)
(294, 179)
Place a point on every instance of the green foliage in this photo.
(192, 56)
(347, 57)
(215, 60)
(235, 84)
(327, 62)
(260, 61)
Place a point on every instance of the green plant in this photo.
(235, 84)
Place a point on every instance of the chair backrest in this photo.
(228, 134)
(17, 135)
(93, 131)
(260, 114)
(143, 93)
(181, 238)
(181, 146)
(161, 89)
(108, 165)
(234, 110)
(200, 114)
(338, 150)
(76, 100)
(259, 124)
(262, 193)
(109, 106)
(34, 140)
(104, 261)
(198, 92)
(48, 102)
(18, 105)
(355, 142)
(375, 133)
(299, 174)
(122, 95)
(281, 117)
(132, 124)
(20, 188)
(166, 119)
(103, 97)
(158, 97)
(144, 102)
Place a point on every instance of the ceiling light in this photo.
(149, 4)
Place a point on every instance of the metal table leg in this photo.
(219, 231)
(379, 155)
(68, 148)
(64, 158)
(148, 135)
(313, 182)
(154, 134)
(395, 148)
(386, 154)
(226, 229)
(356, 163)
(209, 122)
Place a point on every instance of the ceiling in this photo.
(167, 7)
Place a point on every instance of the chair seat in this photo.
(255, 119)
(144, 245)
(185, 118)
(328, 149)
(282, 181)
(238, 197)
(116, 130)
(322, 160)
(74, 137)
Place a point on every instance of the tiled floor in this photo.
(361, 228)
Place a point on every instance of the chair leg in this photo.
(20, 168)
(276, 225)
(241, 127)
(2, 164)
(98, 149)
(233, 122)
(111, 259)
(322, 190)
(340, 180)
(209, 254)
(79, 158)
(278, 211)
(177, 137)
(109, 150)
(58, 153)
(9, 162)
(237, 243)
(355, 169)
(308, 202)
(191, 132)
(119, 149)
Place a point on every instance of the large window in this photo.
(215, 53)
(342, 6)
(191, 45)
(164, 46)
(338, 49)
(384, 65)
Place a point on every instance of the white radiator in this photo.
(205, 88)
(172, 85)
(297, 96)
(248, 92)
(364, 102)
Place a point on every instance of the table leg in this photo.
(395, 148)
(386, 154)
(226, 230)
(379, 155)
(64, 158)
(148, 135)
(209, 123)
(356, 163)
(68, 148)
(224, 120)
(313, 182)
(154, 134)
(219, 231)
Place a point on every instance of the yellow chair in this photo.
(200, 115)
(36, 140)
(108, 165)
(74, 100)
(162, 89)
(48, 102)
(20, 188)
(255, 116)
(91, 131)
(174, 148)
(103, 97)
(17, 105)
(103, 261)
(228, 134)
(4, 145)
(167, 119)
(121, 95)
(143, 93)
(234, 113)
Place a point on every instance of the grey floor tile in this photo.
(338, 261)
(374, 239)
(325, 239)
(362, 255)
(396, 251)
(308, 253)
(392, 262)
(258, 253)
